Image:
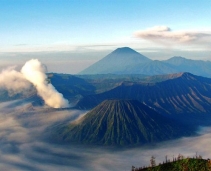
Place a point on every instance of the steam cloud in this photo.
(32, 72)
(13, 81)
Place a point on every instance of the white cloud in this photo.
(33, 72)
(165, 35)
(13, 81)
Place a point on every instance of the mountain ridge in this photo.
(184, 94)
(127, 61)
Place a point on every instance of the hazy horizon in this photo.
(73, 62)
(75, 34)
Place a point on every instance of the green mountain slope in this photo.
(121, 122)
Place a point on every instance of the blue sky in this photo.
(155, 28)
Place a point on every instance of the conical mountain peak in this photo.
(125, 60)
(122, 122)
(124, 50)
(120, 61)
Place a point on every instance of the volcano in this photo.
(121, 122)
(121, 61)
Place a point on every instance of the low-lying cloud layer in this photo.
(22, 148)
(165, 35)
(33, 72)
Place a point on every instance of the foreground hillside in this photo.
(188, 164)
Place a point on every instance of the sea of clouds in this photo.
(22, 147)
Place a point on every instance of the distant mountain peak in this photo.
(126, 47)
(125, 60)
(121, 61)
(178, 57)
(124, 50)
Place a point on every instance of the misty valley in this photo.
(113, 115)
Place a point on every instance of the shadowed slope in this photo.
(183, 93)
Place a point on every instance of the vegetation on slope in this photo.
(121, 122)
(178, 164)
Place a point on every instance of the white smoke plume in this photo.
(34, 72)
(13, 81)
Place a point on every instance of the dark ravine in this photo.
(121, 123)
